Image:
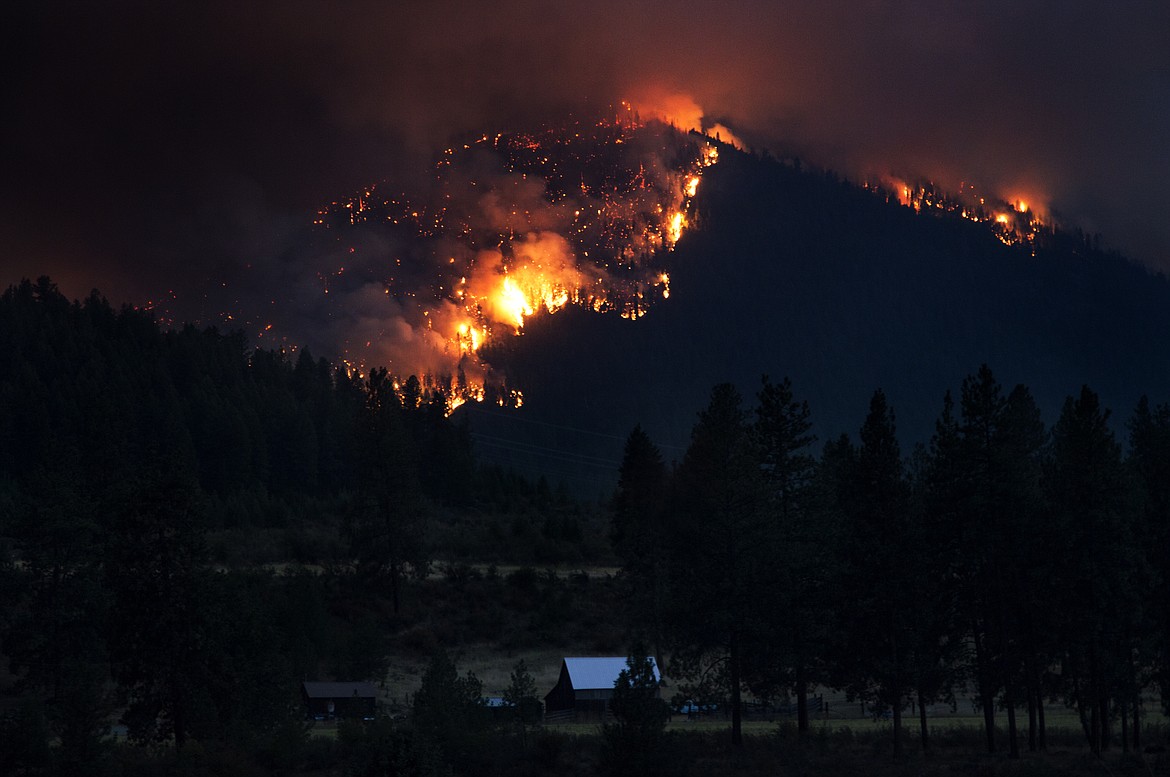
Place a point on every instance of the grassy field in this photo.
(489, 622)
(1058, 720)
(702, 748)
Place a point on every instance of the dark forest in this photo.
(191, 526)
(149, 476)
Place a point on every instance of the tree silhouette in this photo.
(781, 436)
(875, 569)
(521, 694)
(638, 532)
(1149, 463)
(719, 551)
(1088, 500)
(634, 739)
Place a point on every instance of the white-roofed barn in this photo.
(585, 686)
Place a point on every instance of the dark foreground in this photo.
(388, 748)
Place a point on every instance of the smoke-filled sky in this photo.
(153, 146)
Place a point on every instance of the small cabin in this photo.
(585, 686)
(337, 700)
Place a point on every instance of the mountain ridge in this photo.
(797, 272)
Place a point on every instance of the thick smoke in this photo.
(176, 146)
(508, 226)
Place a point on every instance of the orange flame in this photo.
(533, 236)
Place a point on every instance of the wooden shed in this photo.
(585, 686)
(331, 701)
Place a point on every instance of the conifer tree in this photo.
(719, 560)
(876, 570)
(782, 438)
(637, 532)
(1089, 506)
(1149, 465)
(635, 738)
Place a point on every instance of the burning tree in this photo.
(514, 225)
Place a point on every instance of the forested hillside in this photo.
(793, 271)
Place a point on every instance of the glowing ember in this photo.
(1014, 221)
(515, 224)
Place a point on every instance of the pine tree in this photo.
(638, 534)
(448, 710)
(1149, 465)
(781, 437)
(1089, 506)
(937, 648)
(876, 570)
(719, 560)
(521, 694)
(634, 741)
(996, 493)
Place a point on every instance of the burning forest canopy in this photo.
(510, 225)
(427, 279)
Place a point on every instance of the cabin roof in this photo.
(599, 672)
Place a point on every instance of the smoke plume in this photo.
(172, 151)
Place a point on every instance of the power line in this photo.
(515, 417)
(518, 444)
(530, 449)
(593, 481)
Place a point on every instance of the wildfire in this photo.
(582, 213)
(469, 338)
(675, 227)
(514, 303)
(1013, 221)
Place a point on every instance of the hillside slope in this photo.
(794, 272)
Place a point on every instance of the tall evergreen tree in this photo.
(782, 438)
(1029, 621)
(1089, 506)
(637, 532)
(719, 563)
(938, 636)
(1149, 465)
(448, 711)
(875, 570)
(997, 495)
(634, 741)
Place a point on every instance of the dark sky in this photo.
(163, 145)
